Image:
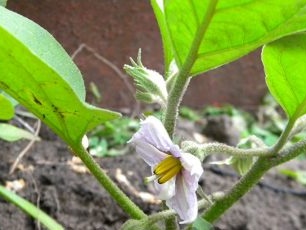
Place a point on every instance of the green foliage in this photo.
(30, 209)
(227, 37)
(11, 133)
(299, 175)
(189, 113)
(226, 109)
(284, 63)
(7, 108)
(95, 91)
(268, 129)
(36, 71)
(3, 2)
(268, 136)
(202, 224)
(110, 138)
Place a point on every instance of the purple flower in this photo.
(175, 173)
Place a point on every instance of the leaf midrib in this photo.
(250, 44)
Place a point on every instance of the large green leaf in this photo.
(36, 71)
(236, 28)
(284, 64)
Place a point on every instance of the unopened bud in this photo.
(150, 85)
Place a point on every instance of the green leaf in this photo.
(201, 224)
(284, 64)
(12, 100)
(30, 209)
(159, 14)
(237, 27)
(3, 2)
(11, 133)
(37, 72)
(6, 108)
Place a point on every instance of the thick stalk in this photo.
(182, 80)
(174, 100)
(123, 201)
(181, 83)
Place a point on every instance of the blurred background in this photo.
(115, 30)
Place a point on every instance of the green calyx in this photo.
(150, 85)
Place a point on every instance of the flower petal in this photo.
(154, 132)
(165, 191)
(151, 155)
(184, 202)
(192, 164)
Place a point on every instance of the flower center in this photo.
(167, 169)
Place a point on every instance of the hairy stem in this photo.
(182, 80)
(289, 153)
(238, 190)
(123, 201)
(203, 150)
(262, 165)
(170, 220)
(284, 136)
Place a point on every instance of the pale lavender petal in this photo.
(184, 202)
(165, 191)
(153, 131)
(192, 181)
(175, 151)
(191, 164)
(151, 155)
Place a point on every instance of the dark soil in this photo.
(77, 201)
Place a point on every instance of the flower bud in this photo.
(150, 85)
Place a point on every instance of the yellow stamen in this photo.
(170, 174)
(166, 164)
(167, 169)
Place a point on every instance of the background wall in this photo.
(116, 29)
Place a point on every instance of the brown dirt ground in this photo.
(77, 201)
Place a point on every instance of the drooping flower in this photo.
(175, 173)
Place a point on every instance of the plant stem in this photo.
(170, 221)
(284, 136)
(239, 189)
(289, 153)
(215, 148)
(182, 80)
(203, 150)
(181, 83)
(116, 193)
(174, 100)
(262, 165)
